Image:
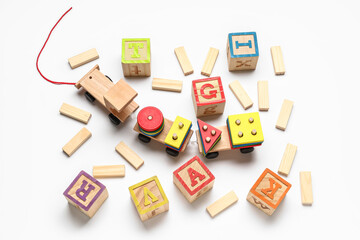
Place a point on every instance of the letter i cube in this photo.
(136, 57)
(149, 198)
(208, 96)
(242, 51)
(86, 193)
(268, 191)
(193, 179)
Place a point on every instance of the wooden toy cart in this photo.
(116, 98)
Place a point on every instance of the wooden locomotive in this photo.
(152, 125)
(116, 98)
(243, 131)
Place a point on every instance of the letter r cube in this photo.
(86, 193)
(268, 191)
(208, 96)
(193, 179)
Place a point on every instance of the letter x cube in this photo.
(208, 96)
(193, 179)
(268, 192)
(86, 193)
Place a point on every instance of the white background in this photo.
(320, 43)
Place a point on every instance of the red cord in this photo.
(37, 60)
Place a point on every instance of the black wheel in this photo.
(89, 97)
(212, 155)
(109, 78)
(247, 150)
(114, 119)
(143, 138)
(172, 152)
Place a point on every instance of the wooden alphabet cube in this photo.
(208, 96)
(149, 198)
(86, 193)
(268, 192)
(136, 57)
(242, 51)
(193, 179)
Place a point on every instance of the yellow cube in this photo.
(245, 130)
(178, 133)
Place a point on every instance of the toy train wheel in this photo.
(172, 152)
(144, 138)
(247, 150)
(109, 78)
(212, 155)
(114, 119)
(89, 97)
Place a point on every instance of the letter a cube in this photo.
(242, 51)
(149, 198)
(268, 192)
(86, 193)
(135, 58)
(193, 179)
(208, 96)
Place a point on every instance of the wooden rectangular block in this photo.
(109, 171)
(287, 159)
(129, 155)
(284, 115)
(184, 61)
(119, 96)
(242, 51)
(136, 57)
(75, 113)
(210, 61)
(208, 96)
(240, 94)
(268, 191)
(306, 188)
(83, 58)
(263, 95)
(167, 85)
(79, 139)
(193, 179)
(86, 193)
(278, 60)
(149, 198)
(222, 204)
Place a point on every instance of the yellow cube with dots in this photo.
(178, 133)
(245, 130)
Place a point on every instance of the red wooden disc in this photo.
(150, 119)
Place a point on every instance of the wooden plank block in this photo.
(240, 94)
(306, 188)
(278, 60)
(83, 58)
(129, 155)
(109, 171)
(263, 95)
(287, 159)
(184, 61)
(75, 113)
(167, 85)
(222, 204)
(79, 139)
(210, 61)
(284, 115)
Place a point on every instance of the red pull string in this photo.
(37, 60)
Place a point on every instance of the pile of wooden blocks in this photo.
(193, 178)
